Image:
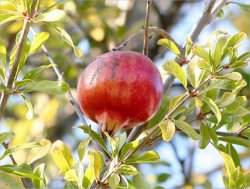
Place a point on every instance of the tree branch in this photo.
(145, 41)
(27, 183)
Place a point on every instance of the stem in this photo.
(145, 42)
(153, 29)
(27, 183)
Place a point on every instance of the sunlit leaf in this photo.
(38, 41)
(214, 108)
(23, 170)
(62, 156)
(167, 129)
(128, 170)
(114, 181)
(147, 157)
(82, 148)
(168, 43)
(187, 129)
(51, 16)
(200, 52)
(39, 151)
(97, 162)
(67, 38)
(46, 86)
(175, 69)
(95, 136)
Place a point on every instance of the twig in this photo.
(60, 78)
(13, 74)
(152, 29)
(145, 42)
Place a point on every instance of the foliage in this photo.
(212, 109)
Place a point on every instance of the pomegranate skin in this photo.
(120, 89)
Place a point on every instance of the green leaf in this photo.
(194, 74)
(235, 76)
(11, 150)
(10, 181)
(36, 72)
(95, 136)
(244, 57)
(175, 69)
(200, 52)
(70, 175)
(39, 171)
(128, 147)
(23, 56)
(114, 181)
(22, 170)
(62, 156)
(176, 101)
(218, 53)
(234, 41)
(213, 135)
(167, 130)
(234, 154)
(235, 140)
(204, 65)
(3, 53)
(89, 177)
(147, 157)
(82, 148)
(97, 162)
(229, 164)
(40, 151)
(127, 170)
(171, 45)
(160, 114)
(67, 38)
(205, 137)
(227, 99)
(213, 107)
(6, 136)
(187, 129)
(8, 12)
(54, 15)
(46, 86)
(38, 41)
(29, 106)
(27, 5)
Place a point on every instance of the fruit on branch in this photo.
(120, 89)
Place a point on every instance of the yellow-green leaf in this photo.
(62, 156)
(172, 46)
(167, 130)
(175, 69)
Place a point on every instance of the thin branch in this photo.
(145, 42)
(69, 94)
(151, 29)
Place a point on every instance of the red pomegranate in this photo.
(120, 89)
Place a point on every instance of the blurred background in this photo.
(97, 26)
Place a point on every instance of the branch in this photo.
(145, 42)
(152, 29)
(60, 78)
(27, 183)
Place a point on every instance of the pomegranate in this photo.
(120, 89)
